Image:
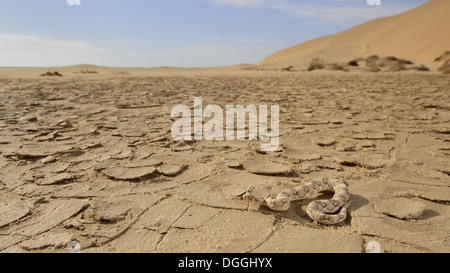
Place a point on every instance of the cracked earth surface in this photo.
(91, 159)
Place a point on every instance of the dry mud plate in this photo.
(91, 159)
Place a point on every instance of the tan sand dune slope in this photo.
(420, 35)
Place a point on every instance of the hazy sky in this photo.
(186, 33)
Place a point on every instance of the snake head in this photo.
(280, 204)
(250, 197)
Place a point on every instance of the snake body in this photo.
(320, 210)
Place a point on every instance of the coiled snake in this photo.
(319, 210)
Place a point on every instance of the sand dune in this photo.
(419, 35)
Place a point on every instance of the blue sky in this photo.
(184, 33)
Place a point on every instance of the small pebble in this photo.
(48, 159)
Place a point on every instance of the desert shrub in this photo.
(421, 68)
(50, 74)
(391, 59)
(289, 68)
(372, 61)
(393, 66)
(445, 68)
(406, 61)
(403, 61)
(353, 63)
(390, 63)
(315, 64)
(336, 66)
(443, 56)
(88, 71)
(395, 59)
(400, 64)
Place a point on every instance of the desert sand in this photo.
(420, 35)
(89, 157)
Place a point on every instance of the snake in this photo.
(322, 211)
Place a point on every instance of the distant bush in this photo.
(371, 61)
(390, 63)
(421, 68)
(443, 57)
(315, 64)
(445, 68)
(337, 66)
(289, 68)
(391, 59)
(353, 63)
(50, 73)
(86, 71)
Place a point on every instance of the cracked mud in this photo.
(91, 159)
